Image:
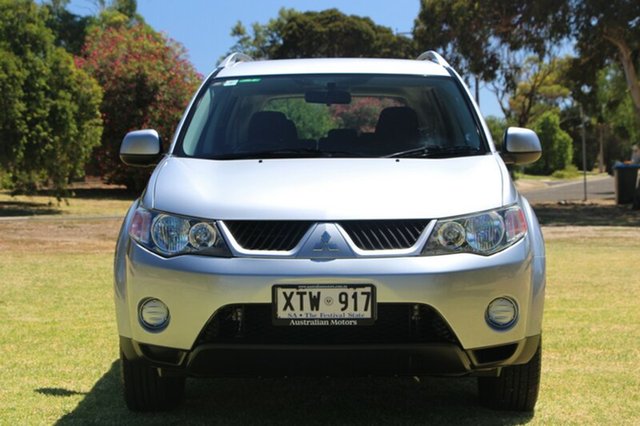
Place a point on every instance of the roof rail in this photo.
(433, 56)
(234, 58)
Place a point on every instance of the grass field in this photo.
(58, 342)
(91, 201)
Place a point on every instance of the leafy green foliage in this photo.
(312, 121)
(328, 33)
(616, 106)
(147, 82)
(50, 119)
(557, 146)
(362, 113)
(497, 126)
(569, 172)
(479, 37)
(540, 86)
(69, 29)
(607, 31)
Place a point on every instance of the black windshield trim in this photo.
(178, 147)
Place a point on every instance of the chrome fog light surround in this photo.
(153, 314)
(501, 313)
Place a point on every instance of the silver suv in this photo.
(330, 217)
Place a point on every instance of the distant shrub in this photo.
(557, 145)
(147, 82)
(569, 172)
(497, 127)
(49, 109)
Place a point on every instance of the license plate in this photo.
(324, 305)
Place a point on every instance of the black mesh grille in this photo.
(396, 323)
(267, 235)
(384, 234)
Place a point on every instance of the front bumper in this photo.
(459, 287)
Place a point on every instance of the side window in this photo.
(198, 122)
(460, 128)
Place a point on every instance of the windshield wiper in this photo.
(437, 152)
(286, 153)
(273, 153)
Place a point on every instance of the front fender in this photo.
(538, 270)
(120, 275)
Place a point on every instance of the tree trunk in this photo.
(629, 70)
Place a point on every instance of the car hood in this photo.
(326, 188)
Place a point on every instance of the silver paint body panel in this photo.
(328, 189)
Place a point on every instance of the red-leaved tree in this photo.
(147, 82)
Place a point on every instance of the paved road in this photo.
(598, 188)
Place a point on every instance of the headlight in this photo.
(483, 233)
(171, 235)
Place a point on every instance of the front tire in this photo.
(146, 390)
(516, 389)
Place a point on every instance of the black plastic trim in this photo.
(233, 360)
(141, 160)
(227, 360)
(520, 157)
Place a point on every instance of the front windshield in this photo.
(330, 116)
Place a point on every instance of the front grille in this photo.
(267, 235)
(384, 234)
(396, 323)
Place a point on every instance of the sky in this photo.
(203, 26)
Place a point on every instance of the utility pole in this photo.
(601, 166)
(584, 151)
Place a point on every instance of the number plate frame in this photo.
(329, 290)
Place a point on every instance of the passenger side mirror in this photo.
(520, 146)
(140, 148)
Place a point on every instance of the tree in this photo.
(617, 108)
(50, 119)
(557, 145)
(614, 124)
(605, 31)
(296, 34)
(540, 86)
(312, 120)
(147, 82)
(69, 29)
(489, 41)
(497, 126)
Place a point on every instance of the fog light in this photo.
(501, 313)
(153, 314)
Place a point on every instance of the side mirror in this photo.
(140, 148)
(520, 146)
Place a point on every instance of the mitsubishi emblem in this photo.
(325, 243)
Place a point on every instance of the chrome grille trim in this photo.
(229, 228)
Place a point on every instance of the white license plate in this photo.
(324, 305)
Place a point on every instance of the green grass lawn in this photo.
(85, 202)
(58, 342)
